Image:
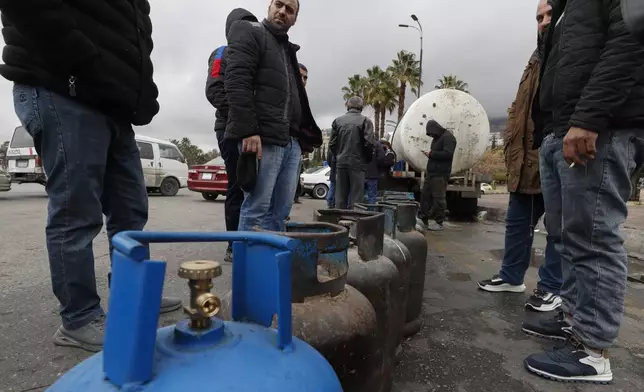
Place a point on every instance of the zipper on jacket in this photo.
(72, 85)
(555, 118)
(288, 84)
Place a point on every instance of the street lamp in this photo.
(420, 30)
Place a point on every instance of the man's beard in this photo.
(540, 44)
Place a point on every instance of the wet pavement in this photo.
(470, 341)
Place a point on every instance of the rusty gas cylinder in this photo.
(394, 250)
(330, 315)
(417, 245)
(377, 277)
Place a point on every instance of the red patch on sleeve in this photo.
(216, 68)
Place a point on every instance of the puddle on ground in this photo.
(459, 277)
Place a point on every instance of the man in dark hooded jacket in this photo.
(268, 113)
(216, 95)
(439, 168)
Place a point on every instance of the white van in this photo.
(164, 167)
(23, 163)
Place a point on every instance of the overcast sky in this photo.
(487, 44)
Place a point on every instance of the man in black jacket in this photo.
(350, 133)
(83, 77)
(268, 113)
(304, 74)
(216, 95)
(439, 168)
(590, 110)
(373, 173)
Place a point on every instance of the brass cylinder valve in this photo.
(203, 303)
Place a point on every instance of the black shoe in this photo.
(169, 304)
(498, 285)
(571, 363)
(228, 258)
(554, 328)
(542, 301)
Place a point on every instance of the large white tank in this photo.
(456, 111)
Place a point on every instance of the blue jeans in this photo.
(524, 212)
(330, 198)
(269, 204)
(585, 207)
(371, 190)
(93, 168)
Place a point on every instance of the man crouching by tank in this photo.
(268, 114)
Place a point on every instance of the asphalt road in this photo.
(470, 341)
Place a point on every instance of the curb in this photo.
(633, 238)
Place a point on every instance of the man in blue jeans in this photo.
(216, 95)
(78, 97)
(373, 173)
(268, 113)
(526, 202)
(591, 111)
(330, 199)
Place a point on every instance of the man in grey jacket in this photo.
(350, 134)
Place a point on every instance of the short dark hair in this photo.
(302, 66)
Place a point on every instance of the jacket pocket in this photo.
(25, 102)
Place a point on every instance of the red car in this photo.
(211, 179)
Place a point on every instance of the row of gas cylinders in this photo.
(322, 307)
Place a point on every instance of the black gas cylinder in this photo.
(377, 277)
(394, 249)
(330, 315)
(416, 243)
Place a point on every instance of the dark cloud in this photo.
(487, 44)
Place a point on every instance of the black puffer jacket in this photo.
(215, 92)
(258, 83)
(592, 73)
(95, 51)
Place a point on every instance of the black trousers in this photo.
(234, 195)
(349, 187)
(433, 202)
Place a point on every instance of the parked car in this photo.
(317, 182)
(23, 163)
(5, 182)
(211, 179)
(164, 168)
(486, 188)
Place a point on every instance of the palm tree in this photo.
(374, 92)
(390, 99)
(453, 82)
(355, 87)
(406, 70)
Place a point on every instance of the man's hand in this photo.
(253, 144)
(427, 153)
(579, 146)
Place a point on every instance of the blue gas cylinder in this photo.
(203, 352)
